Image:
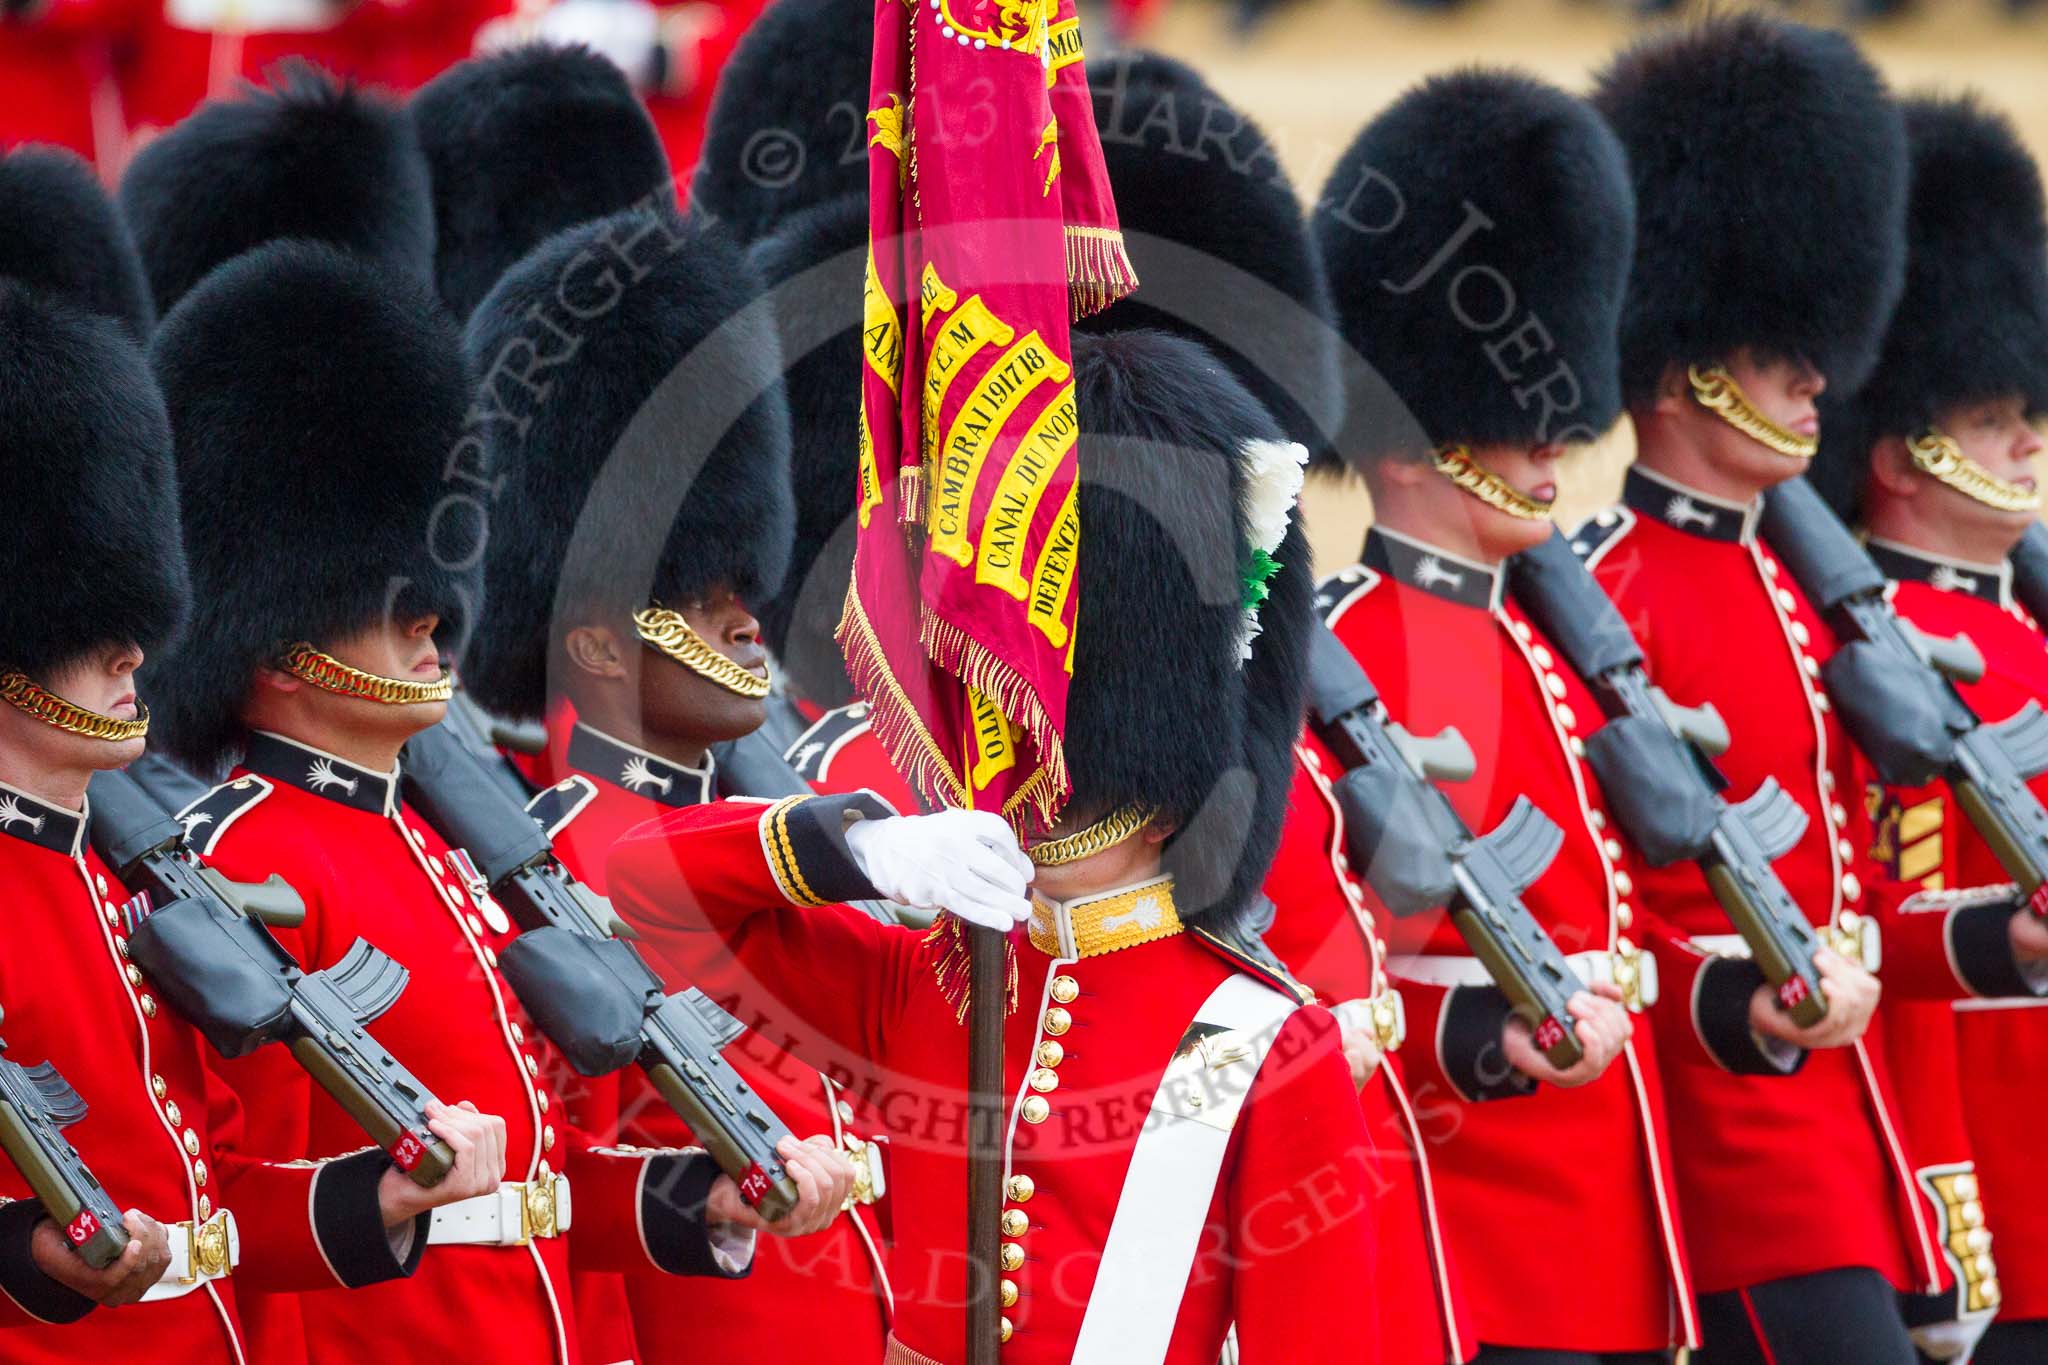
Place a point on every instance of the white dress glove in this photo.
(965, 861)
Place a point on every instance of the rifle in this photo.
(1418, 853)
(1654, 761)
(2030, 571)
(206, 945)
(1895, 690)
(587, 988)
(36, 1105)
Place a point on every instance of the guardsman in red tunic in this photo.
(1184, 1146)
(315, 399)
(1526, 186)
(1935, 457)
(97, 574)
(520, 146)
(1216, 233)
(640, 652)
(1769, 168)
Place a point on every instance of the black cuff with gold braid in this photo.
(674, 1194)
(39, 1296)
(805, 840)
(349, 1225)
(1470, 1047)
(1720, 1012)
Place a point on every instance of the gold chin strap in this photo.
(1717, 391)
(330, 674)
(1111, 830)
(51, 709)
(668, 632)
(1938, 455)
(1456, 464)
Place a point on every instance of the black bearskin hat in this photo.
(1973, 322)
(1769, 166)
(1201, 197)
(1477, 236)
(522, 145)
(1163, 710)
(788, 122)
(59, 232)
(310, 157)
(822, 373)
(316, 399)
(91, 551)
(656, 464)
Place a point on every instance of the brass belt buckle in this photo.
(869, 1183)
(1389, 1019)
(537, 1208)
(207, 1255)
(1628, 973)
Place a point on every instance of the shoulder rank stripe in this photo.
(208, 818)
(1336, 594)
(554, 808)
(1601, 532)
(812, 753)
(1251, 966)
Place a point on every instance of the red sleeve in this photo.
(640, 1209)
(736, 898)
(1300, 1206)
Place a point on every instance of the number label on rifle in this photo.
(83, 1228)
(754, 1185)
(1792, 991)
(2038, 901)
(1548, 1034)
(407, 1151)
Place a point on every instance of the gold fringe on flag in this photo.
(973, 663)
(1099, 271)
(951, 970)
(897, 724)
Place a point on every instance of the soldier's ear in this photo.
(595, 650)
(269, 679)
(1891, 468)
(1673, 392)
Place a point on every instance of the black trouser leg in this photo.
(1833, 1317)
(2014, 1343)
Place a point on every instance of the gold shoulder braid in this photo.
(1717, 391)
(1111, 830)
(1456, 464)
(668, 632)
(51, 709)
(1937, 454)
(330, 674)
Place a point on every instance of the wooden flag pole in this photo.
(985, 1000)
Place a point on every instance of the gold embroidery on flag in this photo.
(1062, 46)
(1053, 579)
(961, 337)
(870, 472)
(995, 740)
(889, 120)
(1049, 138)
(1014, 508)
(881, 330)
(957, 468)
(934, 295)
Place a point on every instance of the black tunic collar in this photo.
(37, 822)
(1436, 572)
(321, 773)
(643, 774)
(1664, 499)
(1990, 582)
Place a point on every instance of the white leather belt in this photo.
(1595, 968)
(1857, 939)
(200, 1254)
(510, 1216)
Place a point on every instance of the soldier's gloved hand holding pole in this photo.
(965, 861)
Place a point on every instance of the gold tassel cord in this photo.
(1456, 464)
(1939, 456)
(46, 706)
(667, 632)
(330, 674)
(1121, 824)
(1718, 392)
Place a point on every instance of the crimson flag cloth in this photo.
(990, 226)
